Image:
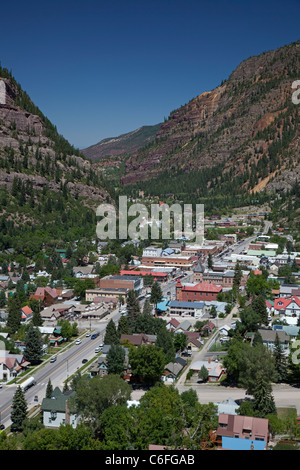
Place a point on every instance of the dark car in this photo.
(84, 361)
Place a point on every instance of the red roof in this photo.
(26, 310)
(125, 272)
(282, 302)
(203, 287)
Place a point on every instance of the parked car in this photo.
(78, 341)
(53, 359)
(97, 350)
(186, 353)
(84, 361)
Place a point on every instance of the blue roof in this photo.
(235, 443)
(178, 303)
(168, 251)
(162, 306)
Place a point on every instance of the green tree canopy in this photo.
(147, 362)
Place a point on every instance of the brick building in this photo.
(197, 292)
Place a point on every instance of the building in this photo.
(197, 292)
(91, 294)
(129, 282)
(287, 306)
(224, 278)
(26, 314)
(228, 406)
(46, 295)
(215, 369)
(254, 432)
(152, 251)
(269, 337)
(194, 309)
(158, 276)
(56, 411)
(11, 365)
(173, 261)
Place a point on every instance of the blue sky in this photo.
(98, 69)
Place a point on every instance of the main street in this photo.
(68, 362)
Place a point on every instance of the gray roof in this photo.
(270, 335)
(199, 268)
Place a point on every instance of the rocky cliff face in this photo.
(248, 124)
(32, 150)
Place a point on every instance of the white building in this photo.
(152, 251)
(56, 410)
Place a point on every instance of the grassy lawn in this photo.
(284, 413)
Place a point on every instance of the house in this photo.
(215, 369)
(83, 272)
(253, 432)
(193, 342)
(227, 406)
(26, 314)
(183, 327)
(270, 307)
(268, 337)
(56, 411)
(171, 372)
(99, 367)
(208, 327)
(172, 324)
(287, 306)
(135, 339)
(11, 365)
(45, 295)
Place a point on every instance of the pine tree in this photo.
(115, 359)
(123, 326)
(259, 306)
(19, 410)
(49, 389)
(263, 399)
(111, 334)
(2, 298)
(147, 309)
(14, 314)
(156, 294)
(210, 262)
(280, 361)
(33, 345)
(133, 309)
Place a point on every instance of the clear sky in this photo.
(99, 68)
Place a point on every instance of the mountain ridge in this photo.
(122, 144)
(248, 125)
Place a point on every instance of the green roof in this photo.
(57, 402)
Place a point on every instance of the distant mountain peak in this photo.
(124, 143)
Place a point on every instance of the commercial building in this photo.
(197, 292)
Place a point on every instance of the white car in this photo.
(78, 341)
(97, 350)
